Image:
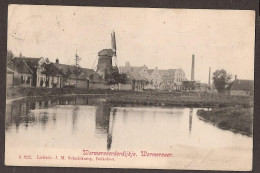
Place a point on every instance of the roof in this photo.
(135, 76)
(150, 71)
(163, 72)
(31, 62)
(106, 52)
(9, 71)
(69, 69)
(132, 69)
(172, 71)
(245, 85)
(21, 66)
(169, 72)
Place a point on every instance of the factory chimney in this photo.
(192, 67)
(209, 75)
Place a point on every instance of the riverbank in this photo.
(237, 119)
(152, 97)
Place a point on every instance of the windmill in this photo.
(113, 46)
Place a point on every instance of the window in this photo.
(28, 80)
(22, 81)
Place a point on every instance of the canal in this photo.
(71, 124)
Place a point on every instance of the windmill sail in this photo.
(113, 42)
(113, 46)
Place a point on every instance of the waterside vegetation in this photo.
(236, 118)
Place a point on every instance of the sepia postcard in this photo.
(117, 87)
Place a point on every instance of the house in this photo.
(141, 70)
(22, 73)
(241, 87)
(42, 71)
(138, 81)
(172, 79)
(69, 78)
(155, 78)
(87, 78)
(9, 73)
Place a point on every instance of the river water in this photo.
(74, 123)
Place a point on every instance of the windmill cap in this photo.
(106, 52)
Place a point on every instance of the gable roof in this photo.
(31, 62)
(245, 85)
(21, 66)
(135, 76)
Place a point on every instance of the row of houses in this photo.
(175, 80)
(40, 72)
(170, 79)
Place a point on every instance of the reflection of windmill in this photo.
(113, 46)
(110, 129)
(190, 120)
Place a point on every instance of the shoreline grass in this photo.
(238, 119)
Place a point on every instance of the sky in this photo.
(155, 37)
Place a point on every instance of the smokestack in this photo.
(235, 77)
(209, 75)
(192, 68)
(57, 61)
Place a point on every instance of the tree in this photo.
(77, 69)
(10, 55)
(49, 70)
(221, 80)
(117, 77)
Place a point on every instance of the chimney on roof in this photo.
(127, 63)
(57, 61)
(192, 67)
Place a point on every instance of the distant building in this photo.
(138, 81)
(172, 79)
(141, 70)
(137, 74)
(241, 88)
(155, 78)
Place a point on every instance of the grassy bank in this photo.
(237, 118)
(175, 99)
(152, 97)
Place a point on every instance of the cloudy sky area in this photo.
(163, 38)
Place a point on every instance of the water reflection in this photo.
(96, 123)
(105, 122)
(190, 119)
